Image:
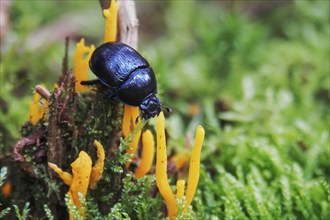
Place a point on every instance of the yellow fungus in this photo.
(36, 109)
(194, 166)
(97, 170)
(6, 189)
(56, 86)
(79, 180)
(80, 64)
(180, 189)
(65, 176)
(161, 169)
(131, 113)
(83, 175)
(45, 105)
(81, 170)
(148, 151)
(133, 146)
(180, 160)
(111, 17)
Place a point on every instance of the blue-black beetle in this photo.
(128, 76)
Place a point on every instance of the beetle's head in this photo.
(151, 106)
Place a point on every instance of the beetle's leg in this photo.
(113, 97)
(111, 94)
(90, 82)
(166, 108)
(137, 118)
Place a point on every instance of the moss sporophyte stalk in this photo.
(84, 174)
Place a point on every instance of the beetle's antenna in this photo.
(137, 118)
(166, 108)
(90, 82)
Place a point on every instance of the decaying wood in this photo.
(55, 147)
(128, 24)
(65, 63)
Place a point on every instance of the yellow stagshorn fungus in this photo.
(79, 180)
(80, 64)
(128, 126)
(148, 151)
(111, 17)
(161, 170)
(97, 169)
(180, 189)
(6, 189)
(180, 160)
(134, 113)
(36, 109)
(83, 175)
(194, 166)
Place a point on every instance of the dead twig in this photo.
(128, 24)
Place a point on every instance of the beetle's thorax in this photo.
(150, 107)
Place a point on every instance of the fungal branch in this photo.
(129, 126)
(83, 175)
(37, 110)
(148, 152)
(80, 64)
(111, 18)
(161, 170)
(194, 166)
(180, 160)
(132, 133)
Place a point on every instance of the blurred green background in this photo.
(254, 74)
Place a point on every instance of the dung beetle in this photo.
(128, 76)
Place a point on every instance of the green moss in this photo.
(260, 78)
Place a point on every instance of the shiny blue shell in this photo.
(128, 75)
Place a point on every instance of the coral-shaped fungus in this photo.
(80, 64)
(6, 189)
(83, 175)
(111, 18)
(128, 126)
(148, 151)
(161, 170)
(36, 109)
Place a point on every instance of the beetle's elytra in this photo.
(128, 75)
